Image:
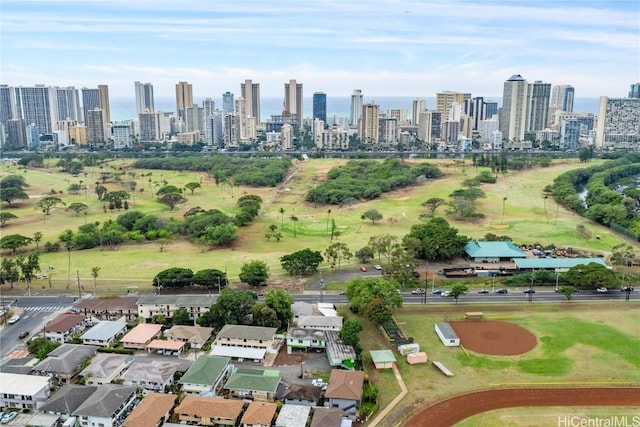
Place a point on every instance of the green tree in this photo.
(6, 216)
(172, 200)
(219, 235)
(13, 181)
(301, 262)
(41, 347)
(191, 186)
(362, 291)
(28, 267)
(434, 203)
(401, 267)
(37, 238)
(336, 252)
(175, 277)
(101, 190)
(281, 211)
(10, 194)
(592, 275)
(280, 302)
(438, 240)
(350, 330)
(9, 271)
(567, 291)
(74, 188)
(365, 254)
(458, 290)
(94, 275)
(254, 272)
(181, 317)
(295, 220)
(14, 242)
(77, 208)
(210, 278)
(232, 307)
(116, 198)
(266, 316)
(167, 189)
(49, 202)
(373, 215)
(378, 311)
(382, 244)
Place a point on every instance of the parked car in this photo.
(8, 417)
(483, 291)
(23, 335)
(363, 269)
(13, 319)
(418, 292)
(502, 291)
(529, 291)
(377, 267)
(602, 290)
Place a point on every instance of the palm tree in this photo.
(504, 199)
(94, 274)
(328, 215)
(37, 237)
(281, 210)
(545, 208)
(294, 219)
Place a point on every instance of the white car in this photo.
(602, 290)
(377, 267)
(13, 319)
(7, 417)
(444, 294)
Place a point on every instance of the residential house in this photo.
(344, 390)
(301, 308)
(329, 417)
(168, 348)
(165, 305)
(259, 414)
(152, 411)
(206, 411)
(245, 342)
(253, 384)
(108, 406)
(105, 368)
(109, 308)
(63, 364)
(62, 328)
(23, 391)
(305, 395)
(206, 376)
(325, 323)
(141, 335)
(153, 374)
(195, 336)
(305, 339)
(293, 416)
(104, 333)
(67, 399)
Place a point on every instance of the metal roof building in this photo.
(555, 264)
(493, 251)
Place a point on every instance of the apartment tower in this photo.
(356, 107)
(144, 97)
(293, 101)
(184, 98)
(513, 114)
(251, 93)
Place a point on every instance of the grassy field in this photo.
(577, 343)
(526, 218)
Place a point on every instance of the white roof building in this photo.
(23, 391)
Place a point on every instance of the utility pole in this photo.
(158, 283)
(79, 290)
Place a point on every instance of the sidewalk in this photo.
(394, 402)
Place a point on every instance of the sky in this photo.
(386, 48)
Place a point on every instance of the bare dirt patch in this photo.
(494, 337)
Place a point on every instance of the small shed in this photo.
(447, 335)
(405, 349)
(383, 359)
(415, 358)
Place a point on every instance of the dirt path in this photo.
(457, 408)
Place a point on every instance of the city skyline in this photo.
(397, 48)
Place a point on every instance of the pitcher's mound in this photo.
(494, 337)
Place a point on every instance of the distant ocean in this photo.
(123, 108)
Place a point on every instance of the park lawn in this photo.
(582, 347)
(524, 217)
(549, 416)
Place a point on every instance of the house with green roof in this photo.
(206, 376)
(253, 384)
(382, 359)
(493, 251)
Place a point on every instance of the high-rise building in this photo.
(144, 97)
(36, 105)
(446, 98)
(475, 108)
(95, 126)
(356, 107)
(618, 120)
(490, 109)
(105, 104)
(570, 135)
(246, 122)
(369, 129)
(538, 95)
(7, 104)
(194, 118)
(216, 129)
(634, 90)
(227, 103)
(429, 129)
(320, 106)
(68, 103)
(17, 132)
(293, 102)
(251, 93)
(562, 98)
(149, 126)
(419, 105)
(122, 135)
(184, 98)
(90, 101)
(513, 114)
(388, 130)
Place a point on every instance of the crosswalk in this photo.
(46, 308)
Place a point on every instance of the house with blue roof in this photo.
(493, 251)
